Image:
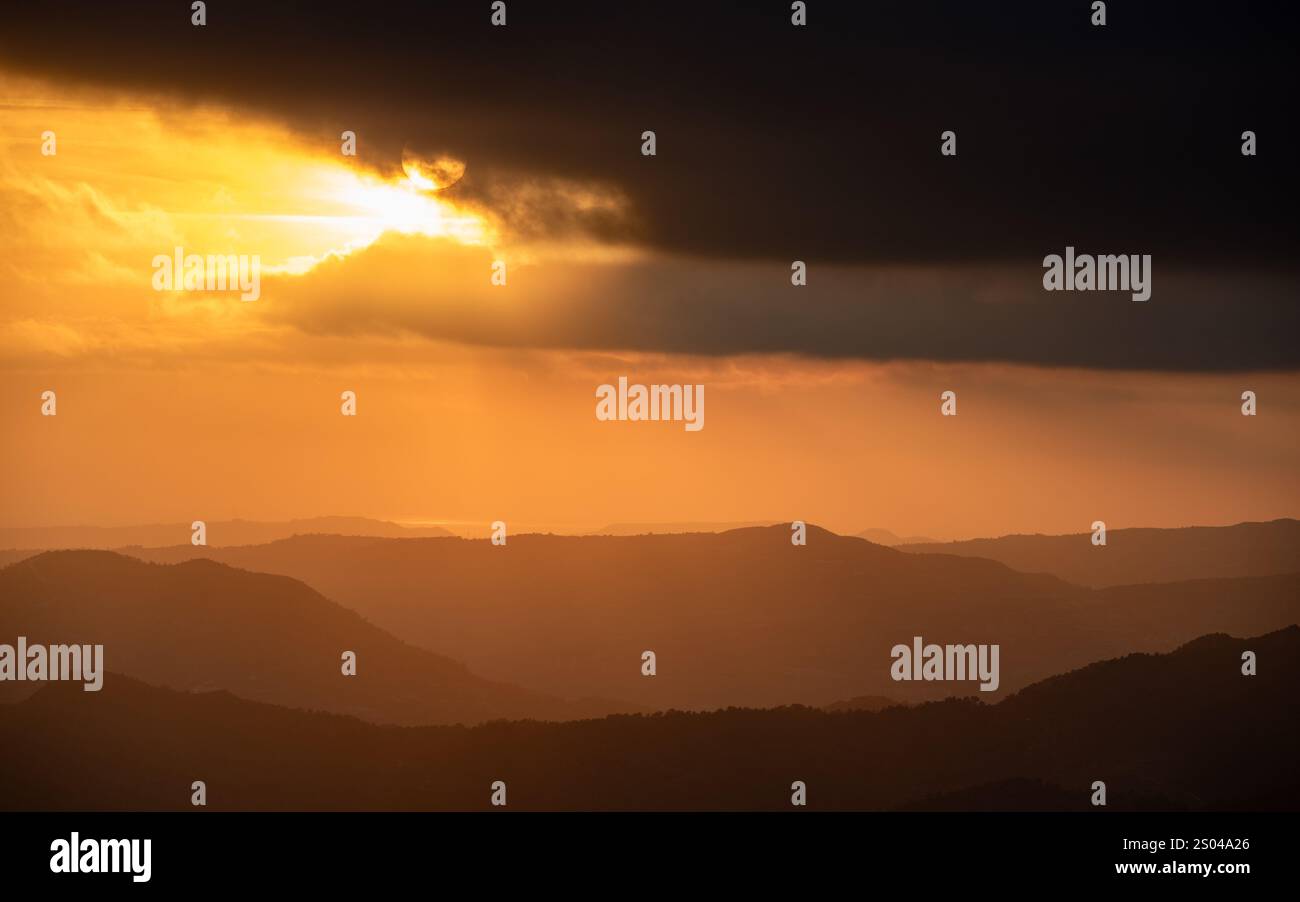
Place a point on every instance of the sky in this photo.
(522, 144)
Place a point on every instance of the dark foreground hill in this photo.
(1142, 555)
(203, 625)
(742, 617)
(1183, 730)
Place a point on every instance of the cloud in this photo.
(959, 313)
(775, 142)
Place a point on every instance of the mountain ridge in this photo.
(741, 617)
(1141, 554)
(219, 533)
(1170, 739)
(201, 623)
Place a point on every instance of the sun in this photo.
(408, 204)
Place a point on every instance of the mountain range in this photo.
(885, 537)
(1184, 730)
(200, 625)
(741, 617)
(219, 533)
(1141, 555)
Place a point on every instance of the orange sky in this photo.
(181, 406)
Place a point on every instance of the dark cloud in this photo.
(818, 143)
(985, 312)
(778, 143)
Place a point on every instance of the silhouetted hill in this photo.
(202, 625)
(885, 537)
(1183, 730)
(1142, 555)
(641, 529)
(861, 703)
(9, 556)
(220, 533)
(742, 617)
